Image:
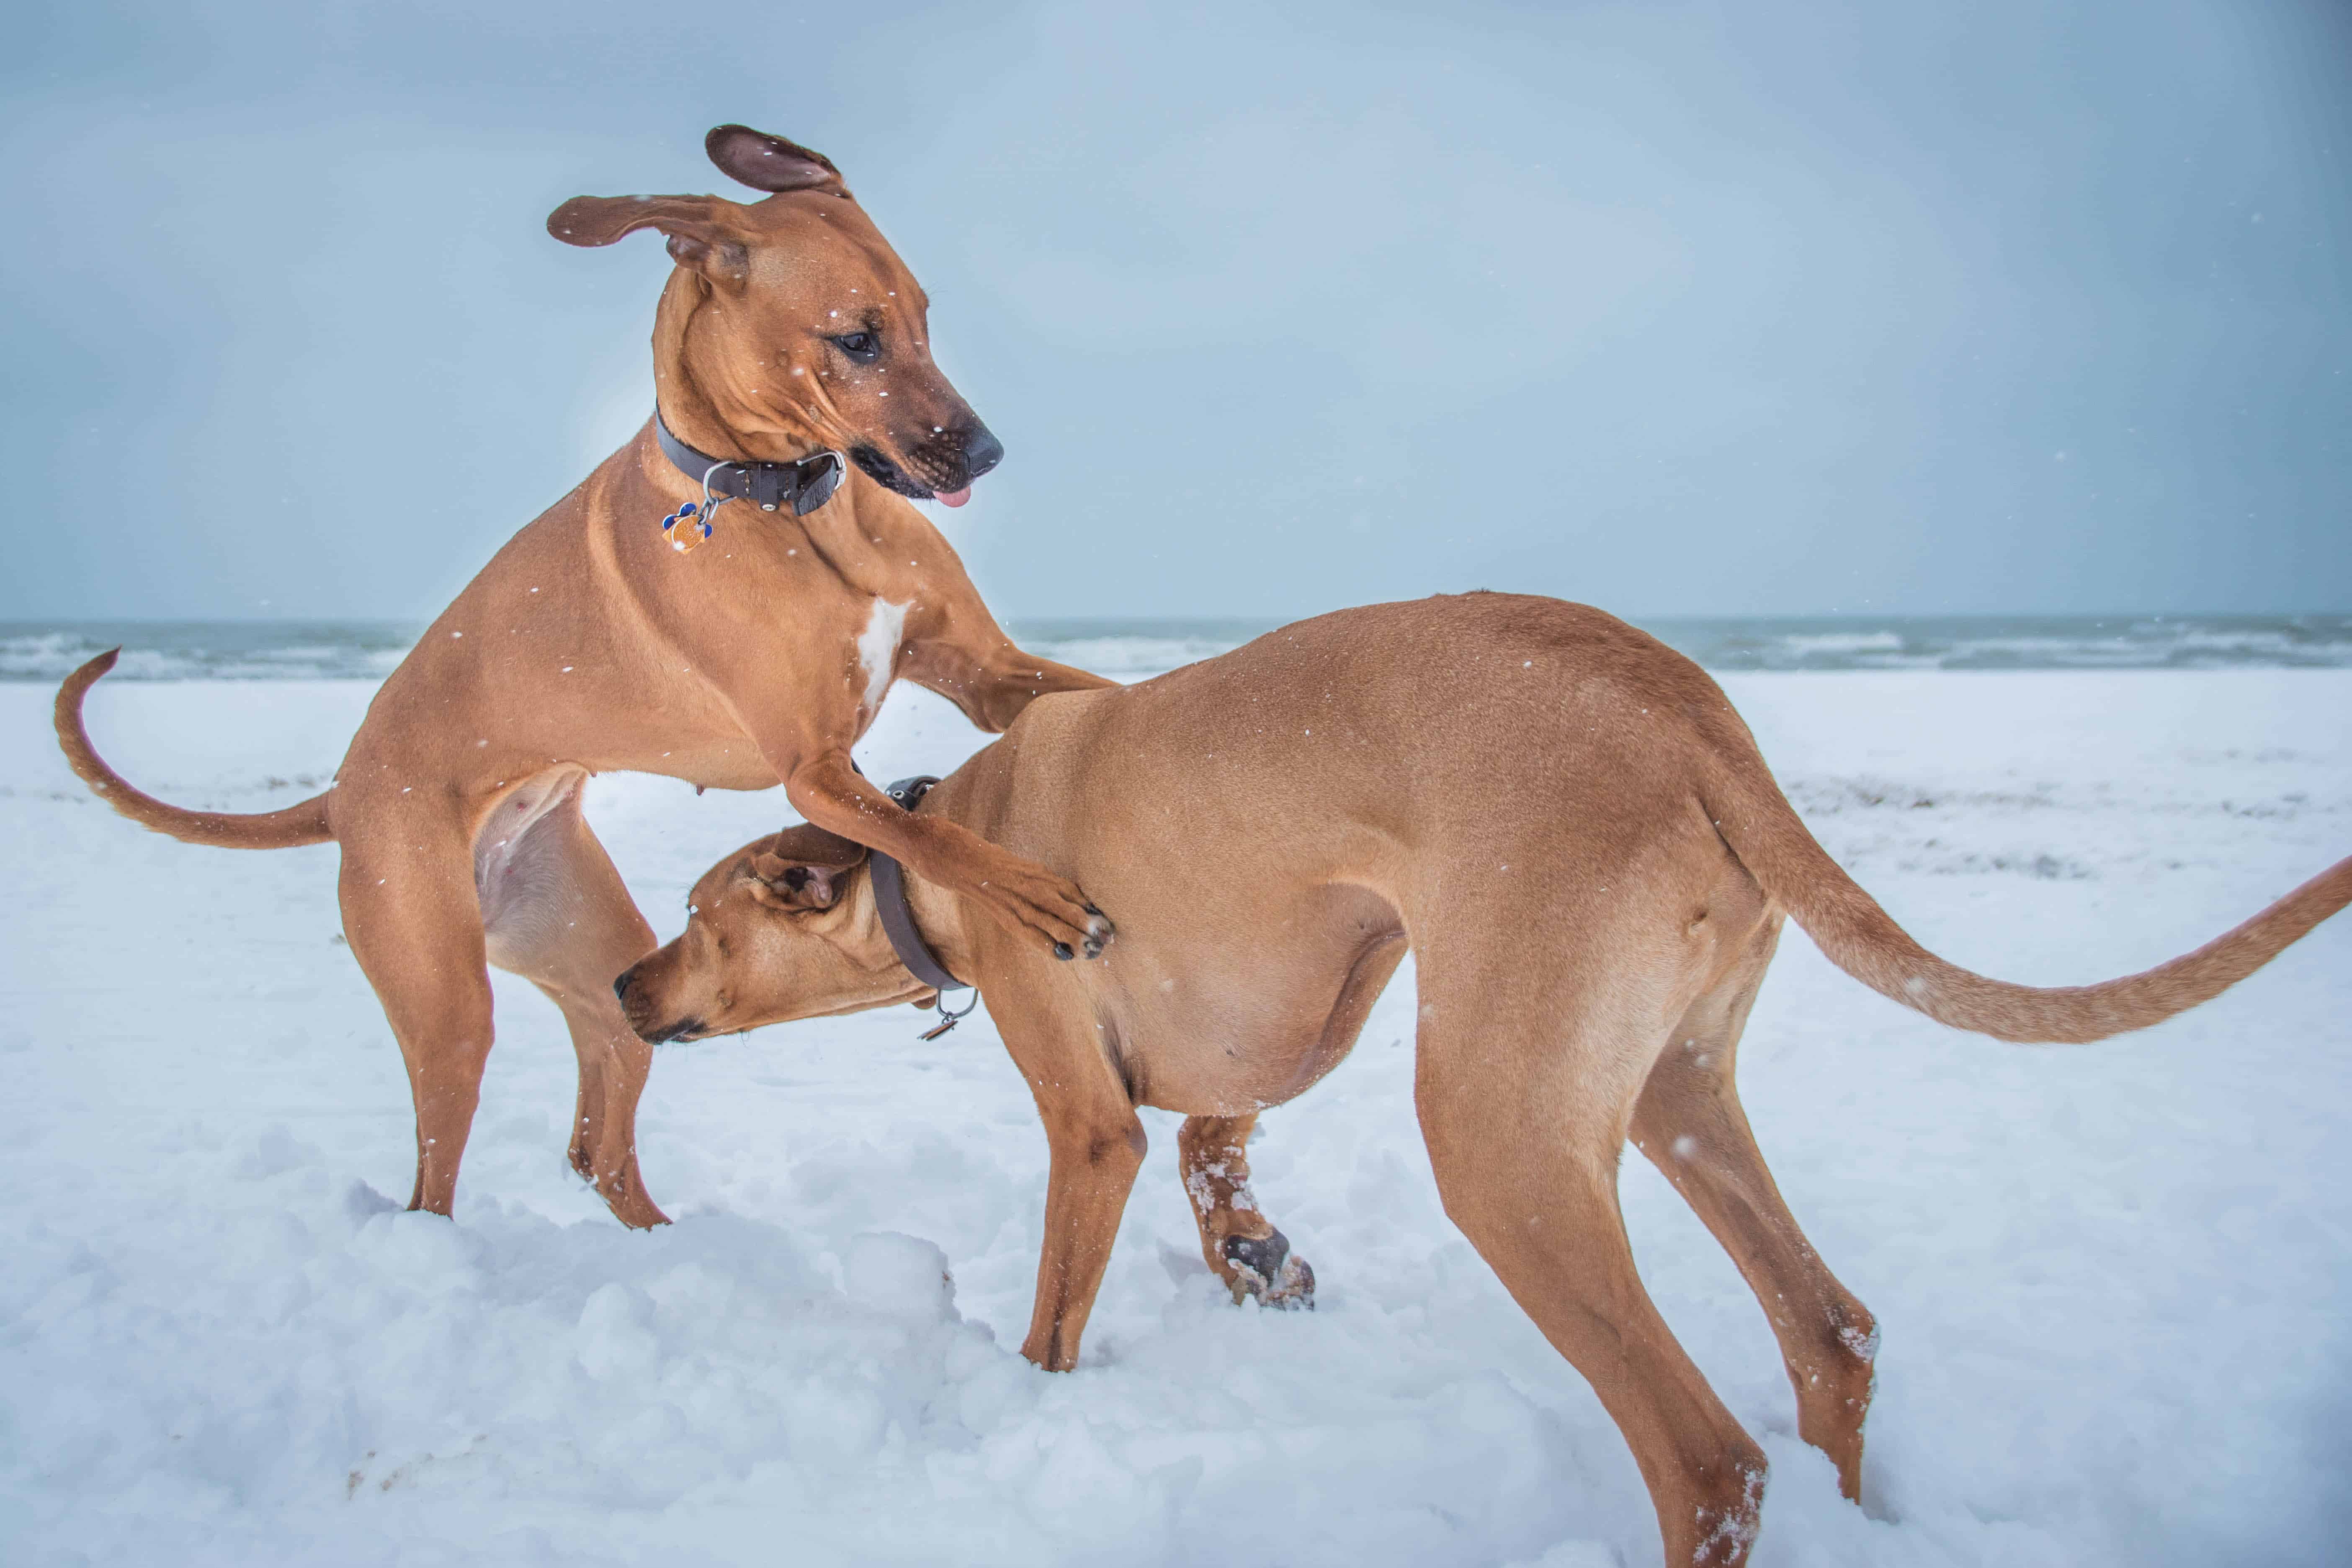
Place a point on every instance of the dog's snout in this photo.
(982, 450)
(639, 1010)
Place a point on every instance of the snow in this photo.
(2110, 1279)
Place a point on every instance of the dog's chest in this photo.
(877, 651)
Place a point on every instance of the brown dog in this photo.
(593, 641)
(1571, 828)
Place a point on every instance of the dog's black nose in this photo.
(621, 986)
(982, 450)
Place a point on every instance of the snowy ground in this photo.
(2112, 1281)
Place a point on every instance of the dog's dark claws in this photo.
(1093, 948)
(1264, 1268)
(1260, 1254)
(1062, 951)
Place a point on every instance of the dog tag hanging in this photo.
(687, 527)
(948, 1020)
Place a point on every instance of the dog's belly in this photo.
(518, 861)
(735, 763)
(1218, 1029)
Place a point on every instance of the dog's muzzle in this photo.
(945, 464)
(636, 1010)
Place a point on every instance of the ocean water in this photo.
(368, 651)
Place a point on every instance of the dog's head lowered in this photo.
(796, 320)
(784, 928)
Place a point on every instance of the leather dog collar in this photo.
(804, 485)
(898, 916)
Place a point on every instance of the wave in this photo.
(2153, 642)
(208, 651)
(1132, 649)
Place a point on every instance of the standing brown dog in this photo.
(592, 642)
(1573, 832)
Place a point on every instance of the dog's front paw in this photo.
(1051, 911)
(1262, 1267)
(1099, 932)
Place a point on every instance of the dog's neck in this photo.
(940, 919)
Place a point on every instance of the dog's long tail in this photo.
(303, 823)
(1757, 820)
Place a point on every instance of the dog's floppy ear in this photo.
(806, 868)
(768, 162)
(704, 233)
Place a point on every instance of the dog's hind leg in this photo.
(410, 915)
(1239, 1242)
(1526, 1077)
(1690, 1123)
(558, 915)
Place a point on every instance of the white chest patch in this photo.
(877, 649)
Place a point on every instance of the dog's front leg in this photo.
(1048, 911)
(958, 650)
(1096, 1145)
(1094, 1159)
(988, 679)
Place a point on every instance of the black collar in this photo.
(897, 915)
(804, 485)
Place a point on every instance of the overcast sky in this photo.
(1798, 307)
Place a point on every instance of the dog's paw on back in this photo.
(1264, 1268)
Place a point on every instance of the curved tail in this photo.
(302, 824)
(1757, 820)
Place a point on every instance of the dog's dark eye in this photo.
(864, 348)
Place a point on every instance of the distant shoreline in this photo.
(45, 651)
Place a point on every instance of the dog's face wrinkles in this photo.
(768, 938)
(797, 322)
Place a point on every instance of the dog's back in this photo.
(1392, 744)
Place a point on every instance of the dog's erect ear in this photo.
(768, 162)
(704, 233)
(806, 868)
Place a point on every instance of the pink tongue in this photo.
(952, 498)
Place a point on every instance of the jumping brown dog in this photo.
(1565, 823)
(592, 643)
